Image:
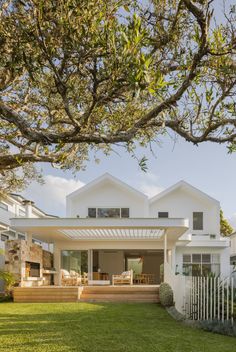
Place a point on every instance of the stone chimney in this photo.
(28, 208)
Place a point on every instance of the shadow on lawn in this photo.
(87, 327)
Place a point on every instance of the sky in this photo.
(208, 167)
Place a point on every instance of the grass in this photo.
(85, 327)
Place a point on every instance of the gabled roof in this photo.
(19, 199)
(102, 179)
(185, 186)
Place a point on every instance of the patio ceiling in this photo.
(113, 234)
(84, 229)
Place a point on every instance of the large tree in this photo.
(77, 75)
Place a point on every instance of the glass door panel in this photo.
(136, 264)
(75, 260)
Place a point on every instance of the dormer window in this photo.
(108, 212)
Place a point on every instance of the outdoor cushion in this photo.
(65, 273)
(126, 273)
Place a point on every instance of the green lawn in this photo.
(101, 327)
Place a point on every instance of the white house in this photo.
(111, 227)
(233, 249)
(12, 206)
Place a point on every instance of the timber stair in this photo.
(45, 294)
(149, 294)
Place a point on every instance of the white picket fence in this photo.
(209, 298)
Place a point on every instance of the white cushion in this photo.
(126, 273)
(65, 273)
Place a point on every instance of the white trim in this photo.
(51, 230)
(99, 222)
(101, 179)
(185, 185)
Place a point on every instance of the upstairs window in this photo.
(108, 212)
(4, 206)
(9, 233)
(21, 213)
(92, 212)
(21, 237)
(163, 214)
(125, 212)
(4, 237)
(197, 220)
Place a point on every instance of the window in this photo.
(187, 258)
(108, 212)
(39, 243)
(21, 213)
(201, 264)
(3, 206)
(9, 233)
(92, 212)
(197, 220)
(4, 237)
(163, 214)
(125, 212)
(233, 260)
(21, 237)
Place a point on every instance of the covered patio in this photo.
(102, 247)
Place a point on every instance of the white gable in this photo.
(181, 200)
(185, 186)
(106, 192)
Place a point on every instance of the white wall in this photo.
(181, 204)
(223, 252)
(107, 195)
(233, 245)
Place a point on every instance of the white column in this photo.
(165, 247)
(57, 264)
(173, 265)
(90, 264)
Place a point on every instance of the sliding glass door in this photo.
(75, 260)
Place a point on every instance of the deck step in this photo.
(120, 289)
(120, 294)
(45, 294)
(119, 300)
(87, 294)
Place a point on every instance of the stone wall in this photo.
(47, 260)
(17, 253)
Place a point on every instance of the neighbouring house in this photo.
(233, 252)
(12, 206)
(111, 227)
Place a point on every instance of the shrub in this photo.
(9, 281)
(166, 295)
(219, 327)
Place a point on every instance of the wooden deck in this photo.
(134, 293)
